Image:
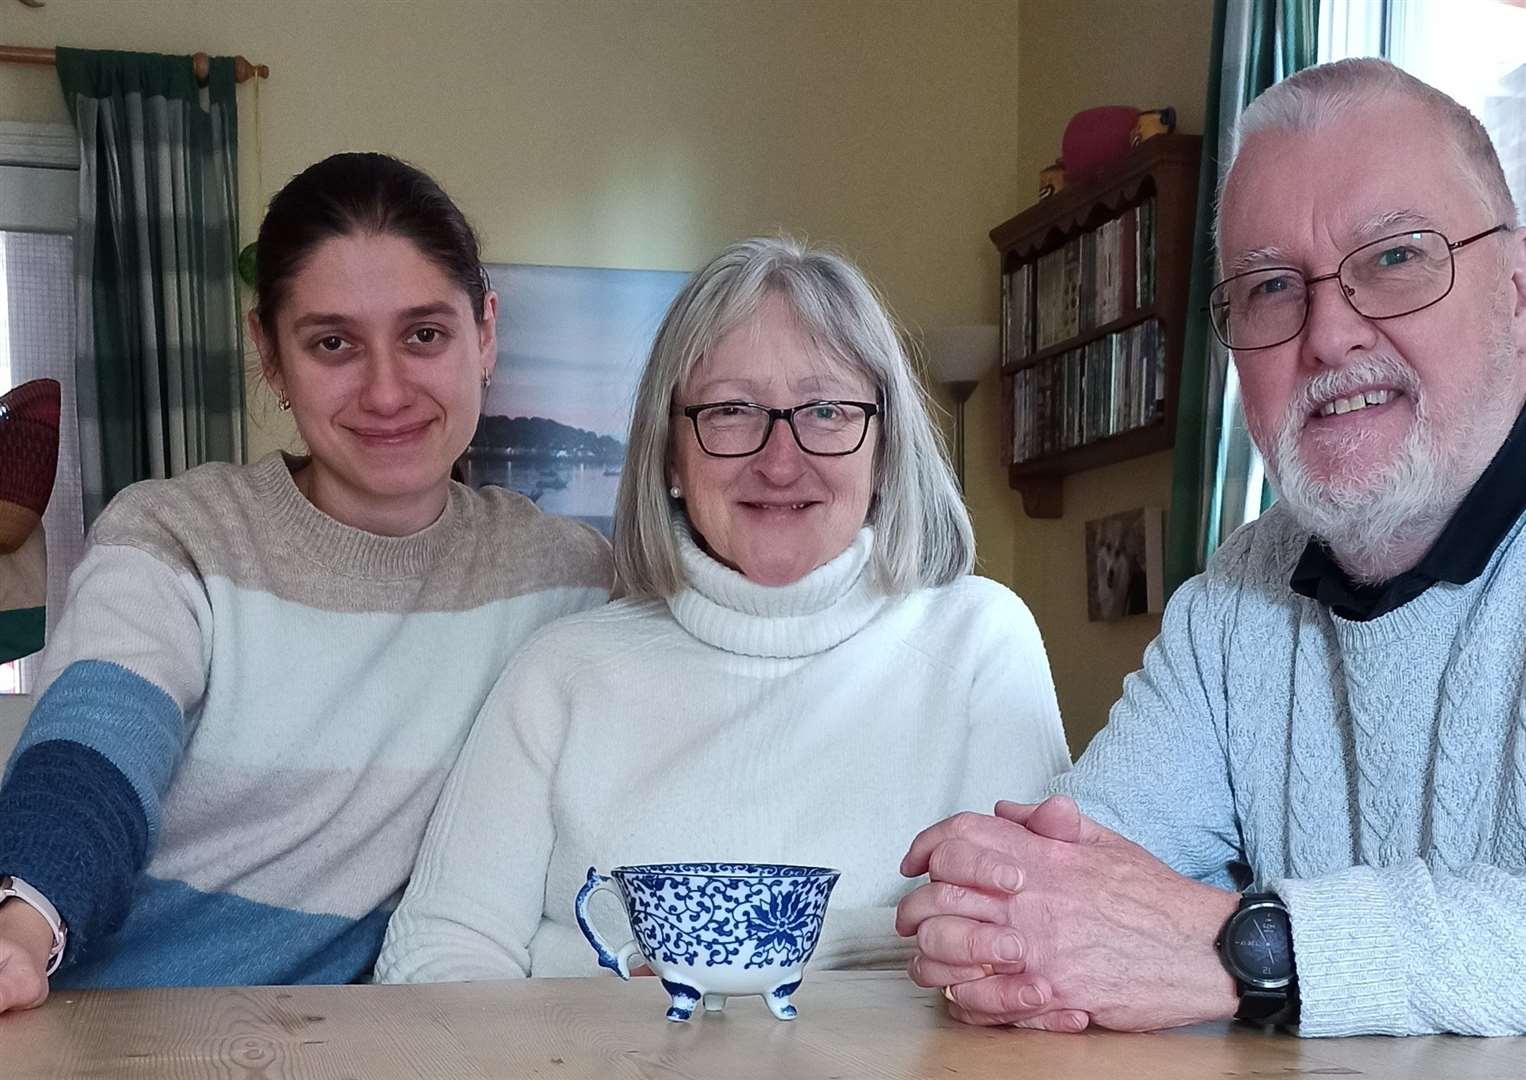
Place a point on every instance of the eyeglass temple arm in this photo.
(1501, 227)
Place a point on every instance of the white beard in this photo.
(1381, 522)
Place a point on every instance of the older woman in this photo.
(803, 669)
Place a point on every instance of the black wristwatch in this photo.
(1256, 946)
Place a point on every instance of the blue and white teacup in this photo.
(712, 930)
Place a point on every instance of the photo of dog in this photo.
(1123, 564)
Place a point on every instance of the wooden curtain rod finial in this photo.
(201, 63)
(243, 68)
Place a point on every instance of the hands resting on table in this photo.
(1039, 917)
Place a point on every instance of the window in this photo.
(39, 184)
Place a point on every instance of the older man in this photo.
(1310, 805)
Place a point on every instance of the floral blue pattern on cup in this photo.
(713, 930)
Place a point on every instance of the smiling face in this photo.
(383, 363)
(779, 514)
(1382, 422)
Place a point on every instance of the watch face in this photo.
(1260, 946)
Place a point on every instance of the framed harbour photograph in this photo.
(571, 345)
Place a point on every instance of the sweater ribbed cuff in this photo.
(71, 827)
(1351, 972)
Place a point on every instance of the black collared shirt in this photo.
(1459, 555)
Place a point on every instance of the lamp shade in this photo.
(962, 353)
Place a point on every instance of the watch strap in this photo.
(13, 888)
(1269, 1006)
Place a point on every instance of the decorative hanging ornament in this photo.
(246, 265)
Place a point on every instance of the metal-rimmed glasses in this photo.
(1383, 279)
(743, 428)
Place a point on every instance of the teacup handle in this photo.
(617, 960)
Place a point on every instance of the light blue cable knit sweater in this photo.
(1373, 774)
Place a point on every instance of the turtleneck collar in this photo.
(342, 548)
(826, 607)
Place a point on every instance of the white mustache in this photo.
(1342, 382)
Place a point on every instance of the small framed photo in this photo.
(1124, 564)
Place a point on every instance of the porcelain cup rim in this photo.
(740, 871)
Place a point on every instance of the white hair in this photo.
(923, 534)
(1309, 99)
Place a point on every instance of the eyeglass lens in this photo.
(820, 428)
(1384, 279)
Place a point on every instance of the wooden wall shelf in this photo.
(1163, 170)
(1133, 318)
(1040, 481)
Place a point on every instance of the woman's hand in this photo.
(24, 943)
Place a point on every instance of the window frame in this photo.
(39, 193)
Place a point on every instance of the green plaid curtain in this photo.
(160, 350)
(1216, 478)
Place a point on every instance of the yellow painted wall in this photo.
(628, 133)
(647, 133)
(1075, 54)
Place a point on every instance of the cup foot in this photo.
(778, 1000)
(684, 999)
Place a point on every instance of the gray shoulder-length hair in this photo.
(923, 535)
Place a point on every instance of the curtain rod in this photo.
(243, 69)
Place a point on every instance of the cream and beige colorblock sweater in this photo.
(248, 711)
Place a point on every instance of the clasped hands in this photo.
(1039, 917)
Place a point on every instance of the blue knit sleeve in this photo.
(79, 807)
(72, 827)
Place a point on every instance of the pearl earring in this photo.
(673, 491)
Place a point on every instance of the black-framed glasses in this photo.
(743, 428)
(1389, 277)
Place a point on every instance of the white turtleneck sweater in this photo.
(820, 722)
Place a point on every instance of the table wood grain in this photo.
(851, 1025)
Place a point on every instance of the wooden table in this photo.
(851, 1025)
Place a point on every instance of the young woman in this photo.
(264, 673)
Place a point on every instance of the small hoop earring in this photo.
(283, 403)
(673, 491)
(487, 379)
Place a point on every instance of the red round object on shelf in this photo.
(29, 418)
(1095, 139)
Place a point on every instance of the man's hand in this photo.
(24, 943)
(1077, 924)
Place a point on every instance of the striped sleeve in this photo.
(80, 801)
